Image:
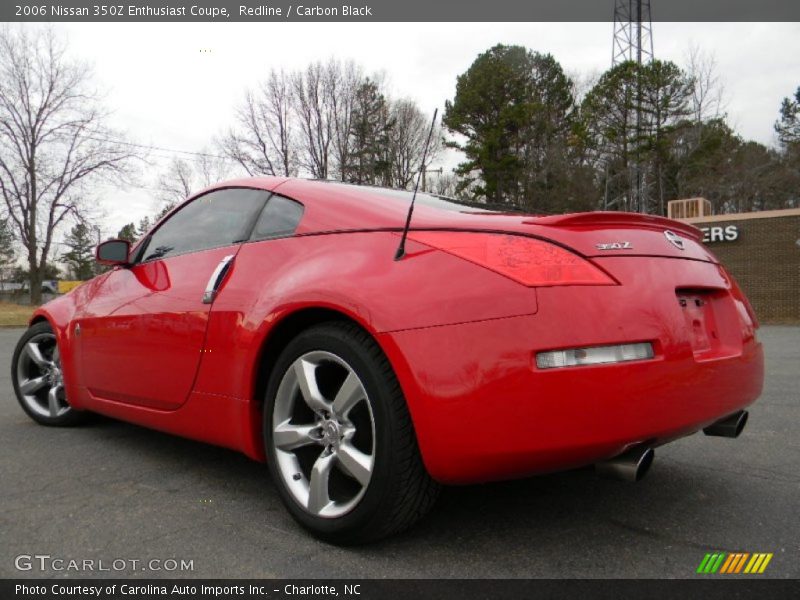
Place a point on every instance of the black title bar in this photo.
(389, 10)
(411, 589)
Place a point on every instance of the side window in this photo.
(279, 218)
(216, 219)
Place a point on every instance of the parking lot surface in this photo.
(110, 491)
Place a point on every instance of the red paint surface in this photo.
(461, 338)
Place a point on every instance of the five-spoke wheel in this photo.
(339, 439)
(324, 434)
(38, 377)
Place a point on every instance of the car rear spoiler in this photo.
(617, 219)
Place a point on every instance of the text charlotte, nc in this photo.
(297, 11)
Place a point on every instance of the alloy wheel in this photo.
(323, 434)
(40, 378)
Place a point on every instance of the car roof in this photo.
(338, 206)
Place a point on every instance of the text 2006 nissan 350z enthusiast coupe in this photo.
(276, 317)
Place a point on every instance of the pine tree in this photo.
(369, 160)
(7, 252)
(80, 257)
(143, 228)
(609, 113)
(164, 210)
(515, 108)
(128, 232)
(788, 126)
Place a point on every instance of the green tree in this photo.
(21, 275)
(80, 256)
(164, 210)
(7, 251)
(18, 275)
(128, 232)
(700, 159)
(666, 92)
(514, 108)
(369, 162)
(628, 120)
(734, 174)
(788, 128)
(788, 125)
(143, 227)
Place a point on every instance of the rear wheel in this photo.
(340, 441)
(38, 378)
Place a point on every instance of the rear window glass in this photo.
(279, 218)
(434, 201)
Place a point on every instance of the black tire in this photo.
(400, 491)
(67, 416)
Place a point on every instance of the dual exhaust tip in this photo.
(729, 427)
(633, 464)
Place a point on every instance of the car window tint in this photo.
(279, 218)
(216, 219)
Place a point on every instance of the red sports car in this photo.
(276, 317)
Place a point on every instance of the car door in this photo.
(142, 334)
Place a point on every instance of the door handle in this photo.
(216, 279)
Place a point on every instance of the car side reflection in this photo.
(153, 275)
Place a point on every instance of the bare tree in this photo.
(53, 140)
(582, 83)
(265, 141)
(176, 182)
(407, 138)
(313, 104)
(183, 177)
(708, 91)
(445, 185)
(306, 122)
(211, 168)
(344, 80)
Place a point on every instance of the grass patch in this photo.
(14, 315)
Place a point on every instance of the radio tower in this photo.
(633, 32)
(633, 41)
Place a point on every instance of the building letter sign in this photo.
(720, 234)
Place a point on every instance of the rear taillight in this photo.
(528, 261)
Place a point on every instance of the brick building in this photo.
(760, 249)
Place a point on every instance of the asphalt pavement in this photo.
(110, 491)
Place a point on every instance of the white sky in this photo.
(165, 92)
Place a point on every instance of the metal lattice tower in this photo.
(633, 32)
(633, 41)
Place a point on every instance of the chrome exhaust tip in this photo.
(729, 427)
(631, 465)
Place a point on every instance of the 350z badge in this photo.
(615, 246)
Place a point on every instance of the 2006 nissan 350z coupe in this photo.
(284, 319)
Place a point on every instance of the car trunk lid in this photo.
(590, 234)
(615, 233)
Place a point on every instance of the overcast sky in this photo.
(164, 91)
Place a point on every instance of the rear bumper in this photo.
(484, 411)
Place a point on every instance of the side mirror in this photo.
(113, 252)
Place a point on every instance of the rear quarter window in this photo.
(279, 218)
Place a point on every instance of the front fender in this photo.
(61, 313)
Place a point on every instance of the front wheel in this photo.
(38, 379)
(339, 439)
